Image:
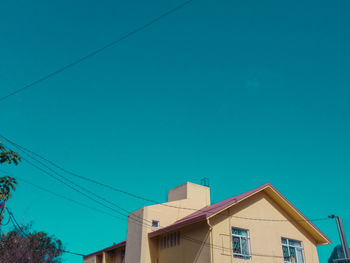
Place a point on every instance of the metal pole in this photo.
(344, 243)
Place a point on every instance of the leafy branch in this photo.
(7, 183)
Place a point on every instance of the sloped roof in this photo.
(216, 208)
(121, 244)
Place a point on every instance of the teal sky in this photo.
(241, 92)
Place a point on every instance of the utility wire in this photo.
(16, 225)
(140, 221)
(99, 50)
(8, 221)
(61, 179)
(200, 242)
(143, 222)
(27, 151)
(66, 198)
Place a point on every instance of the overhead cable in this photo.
(99, 50)
(28, 151)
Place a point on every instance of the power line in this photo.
(71, 187)
(16, 225)
(200, 242)
(136, 221)
(64, 197)
(8, 221)
(141, 221)
(99, 50)
(27, 151)
(132, 217)
(24, 149)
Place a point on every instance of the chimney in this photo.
(195, 192)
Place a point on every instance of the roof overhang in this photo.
(213, 210)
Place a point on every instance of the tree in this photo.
(7, 183)
(22, 246)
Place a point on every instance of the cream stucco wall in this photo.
(188, 251)
(265, 236)
(138, 247)
(211, 241)
(110, 256)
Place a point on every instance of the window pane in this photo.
(292, 249)
(294, 243)
(241, 232)
(235, 231)
(245, 246)
(285, 253)
(236, 245)
(155, 223)
(300, 257)
(292, 252)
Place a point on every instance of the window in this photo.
(240, 243)
(155, 223)
(292, 251)
(170, 240)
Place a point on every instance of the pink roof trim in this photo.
(208, 211)
(121, 244)
(211, 210)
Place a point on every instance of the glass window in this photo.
(293, 251)
(240, 243)
(155, 223)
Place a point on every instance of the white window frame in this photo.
(295, 247)
(238, 255)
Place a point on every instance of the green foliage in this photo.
(7, 183)
(8, 156)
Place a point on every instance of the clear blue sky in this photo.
(242, 92)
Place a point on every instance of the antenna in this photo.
(205, 181)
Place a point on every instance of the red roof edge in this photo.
(296, 209)
(227, 203)
(121, 244)
(203, 213)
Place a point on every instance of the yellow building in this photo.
(257, 226)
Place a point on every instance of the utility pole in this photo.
(343, 240)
